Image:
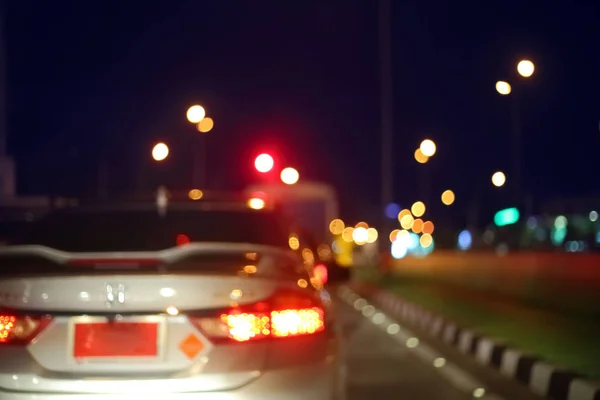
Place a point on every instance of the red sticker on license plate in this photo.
(116, 339)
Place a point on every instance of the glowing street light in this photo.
(427, 147)
(205, 125)
(195, 114)
(503, 88)
(498, 179)
(420, 157)
(264, 163)
(448, 197)
(525, 68)
(289, 176)
(160, 151)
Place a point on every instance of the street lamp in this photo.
(195, 114)
(427, 147)
(420, 157)
(498, 179)
(525, 68)
(503, 88)
(205, 125)
(160, 151)
(290, 176)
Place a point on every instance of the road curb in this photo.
(542, 378)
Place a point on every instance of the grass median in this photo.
(570, 341)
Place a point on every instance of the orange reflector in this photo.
(191, 346)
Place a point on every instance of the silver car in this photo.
(186, 303)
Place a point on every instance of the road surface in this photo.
(381, 368)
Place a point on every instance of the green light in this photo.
(505, 217)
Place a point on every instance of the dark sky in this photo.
(92, 80)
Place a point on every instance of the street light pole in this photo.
(385, 55)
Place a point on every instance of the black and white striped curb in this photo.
(542, 378)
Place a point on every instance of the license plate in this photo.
(115, 339)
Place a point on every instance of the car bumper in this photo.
(313, 381)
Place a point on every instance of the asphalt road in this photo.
(381, 368)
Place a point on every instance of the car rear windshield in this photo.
(146, 230)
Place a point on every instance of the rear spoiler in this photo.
(167, 256)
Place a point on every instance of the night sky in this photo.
(104, 80)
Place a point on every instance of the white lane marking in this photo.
(456, 376)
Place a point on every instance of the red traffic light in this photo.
(264, 163)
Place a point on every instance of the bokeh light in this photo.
(392, 210)
(205, 125)
(361, 224)
(360, 236)
(264, 163)
(195, 194)
(448, 197)
(525, 68)
(347, 234)
(195, 114)
(418, 209)
(503, 88)
(420, 157)
(256, 203)
(428, 228)
(498, 179)
(426, 240)
(428, 148)
(160, 151)
(394, 234)
(289, 176)
(337, 226)
(407, 221)
(372, 235)
(294, 242)
(417, 226)
(402, 213)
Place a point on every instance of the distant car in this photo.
(192, 302)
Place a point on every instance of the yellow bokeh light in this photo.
(426, 240)
(302, 283)
(347, 234)
(308, 256)
(428, 148)
(498, 179)
(256, 203)
(525, 68)
(420, 157)
(336, 227)
(407, 221)
(417, 225)
(250, 269)
(289, 176)
(205, 125)
(160, 151)
(402, 236)
(503, 88)
(360, 236)
(195, 194)
(195, 114)
(402, 213)
(394, 234)
(428, 228)
(324, 252)
(372, 235)
(361, 225)
(294, 242)
(448, 197)
(418, 209)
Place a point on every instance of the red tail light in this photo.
(286, 314)
(20, 329)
